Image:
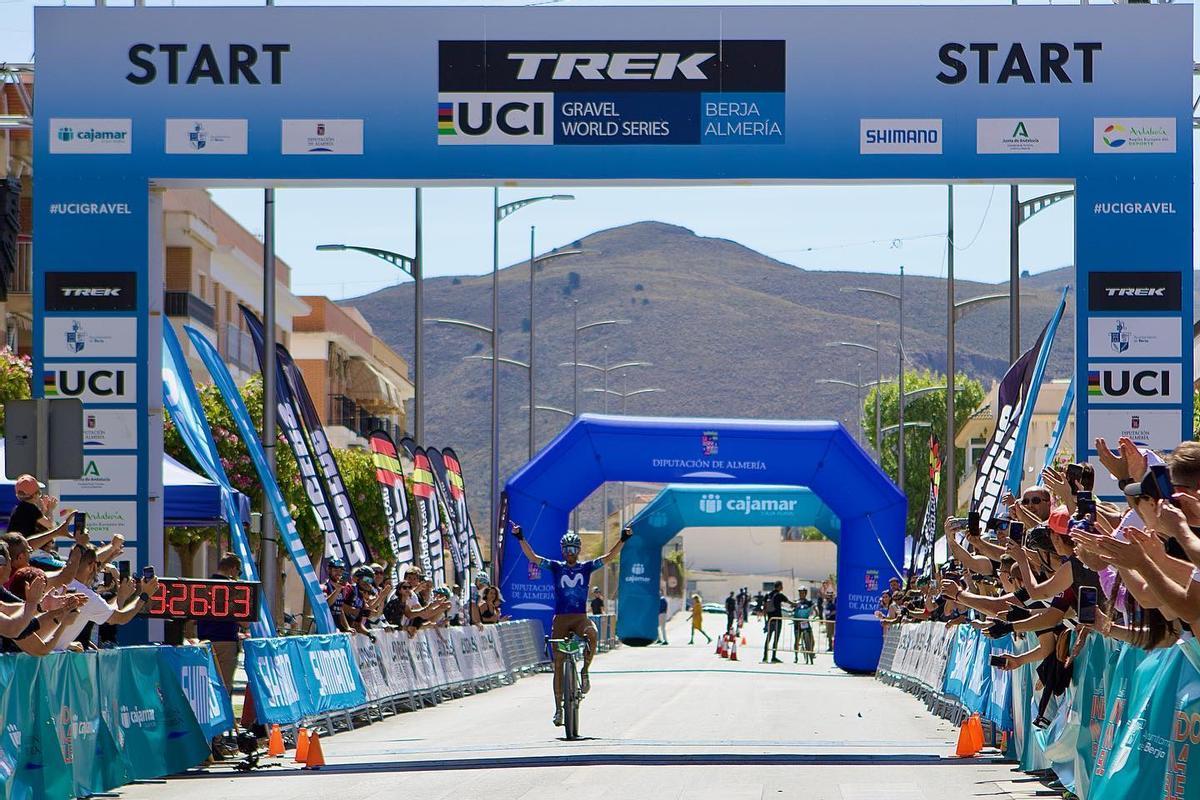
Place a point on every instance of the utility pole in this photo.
(948, 445)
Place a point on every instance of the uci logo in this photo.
(504, 118)
(1132, 383)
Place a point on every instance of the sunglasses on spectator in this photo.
(1028, 501)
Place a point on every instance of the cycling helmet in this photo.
(363, 572)
(571, 539)
(335, 563)
(483, 577)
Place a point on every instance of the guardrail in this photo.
(1122, 730)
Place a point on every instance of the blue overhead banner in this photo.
(518, 96)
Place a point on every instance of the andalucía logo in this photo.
(1114, 135)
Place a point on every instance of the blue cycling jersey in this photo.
(571, 584)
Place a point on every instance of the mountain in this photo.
(729, 332)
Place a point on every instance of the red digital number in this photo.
(158, 600)
(198, 603)
(219, 600)
(177, 605)
(241, 601)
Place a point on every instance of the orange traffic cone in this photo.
(720, 643)
(275, 742)
(966, 744)
(725, 649)
(976, 726)
(302, 746)
(316, 758)
(743, 638)
(733, 648)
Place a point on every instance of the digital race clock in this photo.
(194, 598)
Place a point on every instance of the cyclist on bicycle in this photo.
(570, 579)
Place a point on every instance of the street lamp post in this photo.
(499, 213)
(412, 268)
(533, 262)
(900, 299)
(879, 381)
(1018, 214)
(624, 394)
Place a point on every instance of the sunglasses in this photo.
(1033, 500)
(572, 549)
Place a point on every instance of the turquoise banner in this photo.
(302, 676)
(1124, 729)
(202, 686)
(74, 724)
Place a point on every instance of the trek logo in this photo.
(482, 118)
(1118, 383)
(92, 383)
(1135, 291)
(91, 291)
(613, 65)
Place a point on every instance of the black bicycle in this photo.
(574, 651)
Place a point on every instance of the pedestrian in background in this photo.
(731, 610)
(698, 619)
(662, 619)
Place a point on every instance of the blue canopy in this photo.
(192, 500)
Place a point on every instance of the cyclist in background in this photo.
(570, 578)
(803, 611)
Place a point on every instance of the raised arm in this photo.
(519, 535)
(626, 533)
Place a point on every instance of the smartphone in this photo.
(79, 521)
(973, 522)
(147, 572)
(1074, 474)
(999, 660)
(1162, 481)
(1085, 503)
(1016, 531)
(1017, 614)
(958, 523)
(123, 570)
(1087, 605)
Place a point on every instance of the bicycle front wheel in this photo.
(570, 685)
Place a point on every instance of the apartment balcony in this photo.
(237, 348)
(346, 413)
(186, 304)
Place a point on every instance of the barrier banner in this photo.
(288, 413)
(370, 666)
(390, 476)
(302, 676)
(424, 664)
(286, 526)
(202, 686)
(183, 404)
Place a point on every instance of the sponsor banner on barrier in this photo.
(202, 686)
(302, 676)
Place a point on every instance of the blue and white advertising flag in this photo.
(183, 404)
(1060, 425)
(1017, 462)
(285, 524)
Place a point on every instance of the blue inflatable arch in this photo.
(819, 455)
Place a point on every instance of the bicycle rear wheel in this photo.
(570, 685)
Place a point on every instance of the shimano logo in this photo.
(611, 66)
(1138, 291)
(91, 291)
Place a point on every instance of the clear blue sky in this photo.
(862, 228)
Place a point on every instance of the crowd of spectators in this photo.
(1064, 566)
(367, 599)
(48, 603)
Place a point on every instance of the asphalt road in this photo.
(660, 722)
